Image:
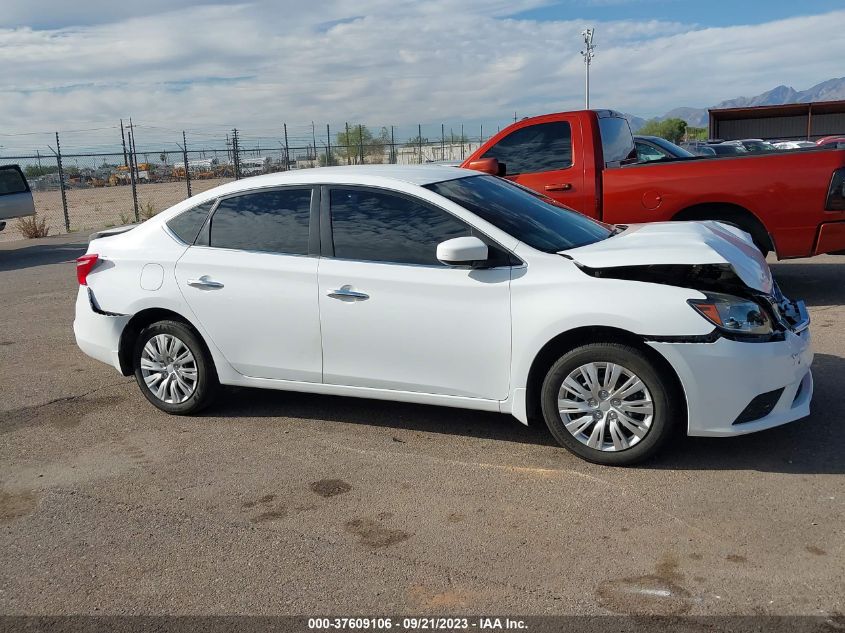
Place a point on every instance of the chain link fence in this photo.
(91, 190)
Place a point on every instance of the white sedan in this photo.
(444, 286)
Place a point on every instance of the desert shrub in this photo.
(148, 210)
(31, 227)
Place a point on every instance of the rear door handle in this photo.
(346, 293)
(564, 186)
(204, 282)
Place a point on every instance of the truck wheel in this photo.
(608, 404)
(173, 368)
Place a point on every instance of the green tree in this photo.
(34, 171)
(351, 145)
(670, 129)
(697, 133)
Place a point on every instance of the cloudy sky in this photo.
(207, 66)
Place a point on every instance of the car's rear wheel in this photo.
(173, 368)
(609, 404)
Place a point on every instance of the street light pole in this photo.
(588, 55)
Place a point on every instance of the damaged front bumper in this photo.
(735, 387)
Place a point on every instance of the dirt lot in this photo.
(97, 207)
(285, 503)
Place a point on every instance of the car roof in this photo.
(352, 174)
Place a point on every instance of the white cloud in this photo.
(383, 62)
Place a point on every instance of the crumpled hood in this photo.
(707, 242)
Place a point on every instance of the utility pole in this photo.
(314, 141)
(588, 55)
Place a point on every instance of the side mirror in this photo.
(490, 166)
(462, 251)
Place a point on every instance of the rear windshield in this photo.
(12, 181)
(525, 215)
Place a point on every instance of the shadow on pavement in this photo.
(243, 402)
(817, 284)
(40, 255)
(809, 446)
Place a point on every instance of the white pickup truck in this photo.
(15, 195)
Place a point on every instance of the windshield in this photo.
(529, 217)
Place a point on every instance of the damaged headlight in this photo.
(733, 314)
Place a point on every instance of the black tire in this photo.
(757, 233)
(667, 405)
(206, 385)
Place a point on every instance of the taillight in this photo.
(836, 193)
(84, 265)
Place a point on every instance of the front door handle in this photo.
(204, 282)
(345, 293)
(564, 186)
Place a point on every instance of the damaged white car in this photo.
(442, 286)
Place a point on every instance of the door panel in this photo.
(253, 282)
(264, 317)
(427, 329)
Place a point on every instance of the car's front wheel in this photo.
(609, 404)
(173, 368)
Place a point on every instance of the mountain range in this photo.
(830, 90)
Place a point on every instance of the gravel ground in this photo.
(279, 503)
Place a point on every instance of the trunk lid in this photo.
(661, 243)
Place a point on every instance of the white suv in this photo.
(443, 286)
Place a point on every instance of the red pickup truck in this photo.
(791, 202)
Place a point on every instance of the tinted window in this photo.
(382, 227)
(617, 142)
(11, 181)
(273, 221)
(529, 217)
(187, 224)
(542, 147)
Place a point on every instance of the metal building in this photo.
(793, 121)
